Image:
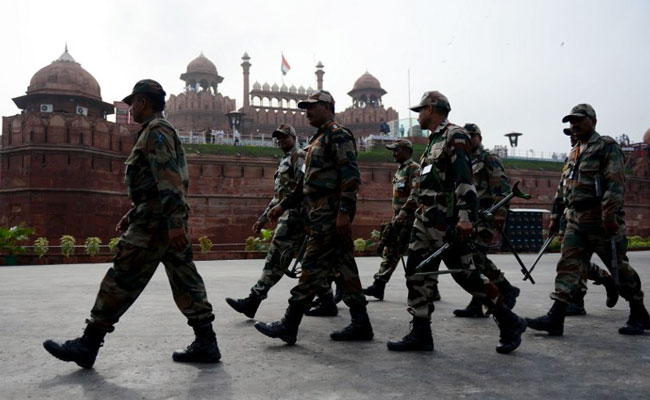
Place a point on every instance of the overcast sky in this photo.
(505, 65)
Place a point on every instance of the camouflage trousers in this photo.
(429, 231)
(394, 249)
(485, 266)
(327, 255)
(287, 238)
(133, 267)
(594, 273)
(580, 242)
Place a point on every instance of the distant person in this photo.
(384, 128)
(155, 231)
(593, 196)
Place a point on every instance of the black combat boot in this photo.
(204, 348)
(638, 321)
(325, 307)
(436, 293)
(577, 307)
(285, 329)
(511, 326)
(509, 293)
(473, 310)
(552, 322)
(247, 306)
(359, 328)
(375, 290)
(610, 288)
(82, 350)
(419, 339)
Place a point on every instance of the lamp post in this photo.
(234, 119)
(514, 138)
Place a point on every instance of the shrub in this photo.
(41, 246)
(260, 243)
(67, 243)
(205, 243)
(92, 245)
(359, 244)
(112, 244)
(9, 237)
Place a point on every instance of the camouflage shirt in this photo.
(595, 181)
(290, 171)
(490, 179)
(405, 187)
(446, 172)
(331, 164)
(157, 181)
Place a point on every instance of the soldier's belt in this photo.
(585, 205)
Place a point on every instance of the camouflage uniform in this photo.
(586, 210)
(446, 195)
(290, 230)
(157, 181)
(331, 183)
(492, 184)
(405, 183)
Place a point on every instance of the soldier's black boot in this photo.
(473, 310)
(419, 339)
(436, 293)
(552, 322)
(577, 307)
(247, 306)
(285, 329)
(204, 348)
(638, 321)
(325, 307)
(511, 326)
(375, 290)
(610, 288)
(509, 293)
(82, 350)
(359, 328)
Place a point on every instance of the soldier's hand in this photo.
(343, 224)
(399, 219)
(553, 227)
(275, 212)
(178, 238)
(611, 227)
(257, 226)
(464, 229)
(123, 225)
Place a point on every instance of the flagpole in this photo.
(409, 92)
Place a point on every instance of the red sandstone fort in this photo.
(62, 161)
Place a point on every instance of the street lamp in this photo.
(514, 137)
(234, 119)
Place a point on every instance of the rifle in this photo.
(296, 269)
(485, 215)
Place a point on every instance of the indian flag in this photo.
(284, 67)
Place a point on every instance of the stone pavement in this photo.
(591, 361)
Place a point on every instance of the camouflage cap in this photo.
(284, 130)
(400, 143)
(472, 129)
(433, 98)
(567, 131)
(146, 86)
(579, 111)
(322, 96)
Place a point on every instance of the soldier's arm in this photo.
(614, 181)
(461, 170)
(408, 209)
(166, 173)
(499, 183)
(263, 218)
(293, 199)
(345, 151)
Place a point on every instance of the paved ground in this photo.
(592, 361)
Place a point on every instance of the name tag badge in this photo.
(401, 185)
(303, 168)
(427, 169)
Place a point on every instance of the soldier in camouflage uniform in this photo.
(596, 274)
(329, 192)
(396, 233)
(289, 233)
(447, 208)
(492, 184)
(156, 231)
(593, 197)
